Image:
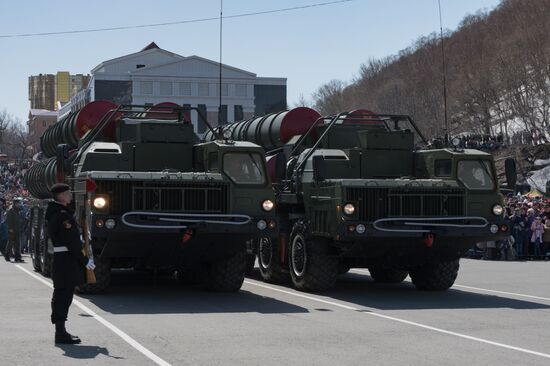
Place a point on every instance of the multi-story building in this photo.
(48, 91)
(42, 91)
(39, 121)
(154, 75)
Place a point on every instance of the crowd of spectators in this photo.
(530, 239)
(12, 189)
(481, 142)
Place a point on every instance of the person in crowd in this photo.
(518, 224)
(546, 237)
(537, 232)
(3, 227)
(528, 228)
(13, 221)
(24, 226)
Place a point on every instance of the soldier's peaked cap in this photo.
(59, 188)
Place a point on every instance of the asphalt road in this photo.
(497, 313)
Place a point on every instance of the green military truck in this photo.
(152, 196)
(359, 190)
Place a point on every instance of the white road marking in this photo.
(132, 342)
(502, 292)
(403, 321)
(481, 289)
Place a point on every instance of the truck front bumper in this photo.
(472, 229)
(251, 227)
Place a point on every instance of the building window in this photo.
(146, 87)
(201, 126)
(204, 89)
(238, 113)
(166, 88)
(225, 90)
(222, 114)
(185, 88)
(240, 90)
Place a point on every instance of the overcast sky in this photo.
(309, 46)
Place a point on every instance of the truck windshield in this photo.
(476, 174)
(244, 168)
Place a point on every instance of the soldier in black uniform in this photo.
(69, 263)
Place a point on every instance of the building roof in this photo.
(42, 113)
(150, 48)
(184, 60)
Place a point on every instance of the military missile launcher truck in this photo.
(358, 190)
(151, 195)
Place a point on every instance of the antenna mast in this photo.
(444, 75)
(221, 34)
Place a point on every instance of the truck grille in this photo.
(376, 203)
(165, 196)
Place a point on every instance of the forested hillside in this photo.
(498, 75)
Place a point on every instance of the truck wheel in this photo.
(227, 275)
(311, 267)
(269, 263)
(34, 252)
(387, 275)
(435, 276)
(102, 273)
(45, 258)
(250, 261)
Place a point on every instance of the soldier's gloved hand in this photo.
(90, 265)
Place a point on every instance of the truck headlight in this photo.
(349, 209)
(100, 203)
(498, 210)
(268, 205)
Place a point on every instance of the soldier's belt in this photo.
(60, 249)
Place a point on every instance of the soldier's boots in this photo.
(63, 337)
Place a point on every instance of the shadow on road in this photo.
(360, 289)
(140, 293)
(84, 352)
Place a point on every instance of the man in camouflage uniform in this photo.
(13, 221)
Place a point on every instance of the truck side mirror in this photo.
(319, 168)
(280, 166)
(511, 172)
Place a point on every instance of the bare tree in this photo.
(20, 140)
(498, 75)
(329, 98)
(6, 120)
(302, 102)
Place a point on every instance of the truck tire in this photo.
(311, 267)
(227, 275)
(102, 273)
(34, 252)
(269, 263)
(250, 261)
(45, 258)
(435, 276)
(387, 275)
